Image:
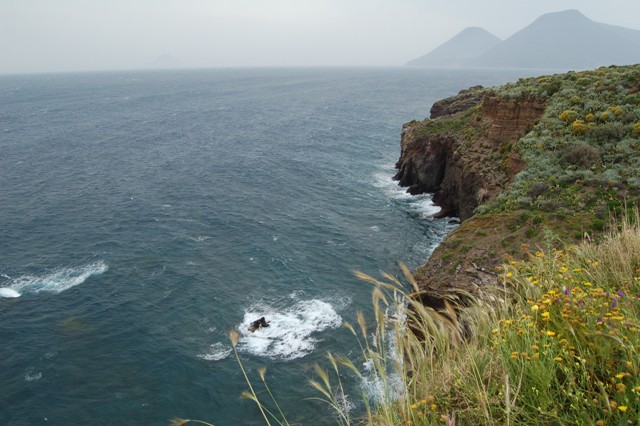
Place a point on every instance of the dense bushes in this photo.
(591, 124)
(582, 155)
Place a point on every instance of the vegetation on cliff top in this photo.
(583, 155)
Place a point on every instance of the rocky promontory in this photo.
(463, 154)
(523, 165)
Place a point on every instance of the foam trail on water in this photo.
(291, 331)
(217, 352)
(56, 281)
(421, 203)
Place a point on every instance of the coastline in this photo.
(484, 154)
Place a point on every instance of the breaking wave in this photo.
(54, 281)
(422, 204)
(292, 332)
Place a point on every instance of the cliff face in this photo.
(463, 154)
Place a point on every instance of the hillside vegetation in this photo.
(557, 182)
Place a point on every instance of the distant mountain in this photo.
(562, 40)
(464, 46)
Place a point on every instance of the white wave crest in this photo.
(57, 280)
(217, 352)
(9, 292)
(419, 203)
(291, 331)
(31, 375)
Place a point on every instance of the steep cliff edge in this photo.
(524, 165)
(464, 154)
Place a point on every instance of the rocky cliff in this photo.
(463, 154)
(528, 165)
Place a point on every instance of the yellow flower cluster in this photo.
(588, 332)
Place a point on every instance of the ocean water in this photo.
(144, 215)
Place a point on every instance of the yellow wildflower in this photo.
(551, 333)
(622, 408)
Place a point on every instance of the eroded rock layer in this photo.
(464, 155)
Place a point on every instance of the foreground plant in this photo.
(558, 345)
(266, 413)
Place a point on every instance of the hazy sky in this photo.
(57, 35)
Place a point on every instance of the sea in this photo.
(146, 214)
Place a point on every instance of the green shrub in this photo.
(579, 127)
(568, 116)
(609, 132)
(582, 155)
(537, 189)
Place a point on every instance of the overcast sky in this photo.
(60, 35)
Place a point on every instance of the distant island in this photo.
(560, 40)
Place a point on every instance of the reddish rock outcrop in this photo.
(465, 99)
(464, 155)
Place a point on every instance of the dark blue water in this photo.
(144, 215)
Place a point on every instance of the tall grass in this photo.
(558, 343)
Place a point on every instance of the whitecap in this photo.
(218, 351)
(31, 375)
(422, 203)
(292, 331)
(9, 292)
(57, 280)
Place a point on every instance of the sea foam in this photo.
(218, 351)
(292, 332)
(421, 203)
(54, 281)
